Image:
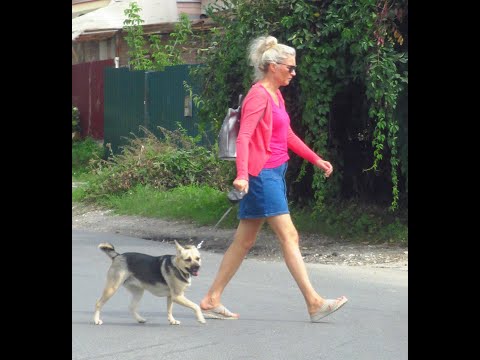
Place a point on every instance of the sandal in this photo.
(219, 312)
(329, 306)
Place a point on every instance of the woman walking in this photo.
(263, 142)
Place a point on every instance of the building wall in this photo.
(94, 47)
(195, 8)
(190, 7)
(122, 51)
(189, 54)
(205, 3)
(88, 51)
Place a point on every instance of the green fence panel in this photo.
(151, 99)
(168, 102)
(124, 106)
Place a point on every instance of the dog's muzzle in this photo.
(194, 270)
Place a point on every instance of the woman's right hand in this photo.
(241, 185)
(325, 166)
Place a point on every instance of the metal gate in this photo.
(87, 96)
(147, 98)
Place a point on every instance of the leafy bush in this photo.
(395, 232)
(352, 59)
(151, 53)
(360, 223)
(173, 161)
(83, 153)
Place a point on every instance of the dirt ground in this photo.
(315, 248)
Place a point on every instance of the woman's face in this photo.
(285, 71)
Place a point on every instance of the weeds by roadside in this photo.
(162, 164)
(84, 152)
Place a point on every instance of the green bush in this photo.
(350, 55)
(356, 222)
(84, 152)
(395, 232)
(173, 161)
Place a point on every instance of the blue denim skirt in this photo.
(267, 194)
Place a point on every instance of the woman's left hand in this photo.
(325, 166)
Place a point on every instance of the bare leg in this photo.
(244, 239)
(287, 234)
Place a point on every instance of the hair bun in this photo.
(270, 42)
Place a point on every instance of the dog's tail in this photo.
(108, 249)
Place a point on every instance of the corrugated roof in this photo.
(112, 16)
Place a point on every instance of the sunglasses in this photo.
(291, 68)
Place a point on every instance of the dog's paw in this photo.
(96, 318)
(172, 321)
(140, 319)
(202, 321)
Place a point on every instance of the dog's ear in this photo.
(179, 247)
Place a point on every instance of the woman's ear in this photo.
(272, 66)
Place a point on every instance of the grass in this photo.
(199, 204)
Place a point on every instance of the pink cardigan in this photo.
(253, 141)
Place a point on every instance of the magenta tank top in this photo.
(278, 142)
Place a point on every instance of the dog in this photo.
(166, 275)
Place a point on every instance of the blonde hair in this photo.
(265, 50)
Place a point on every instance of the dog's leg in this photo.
(170, 317)
(182, 300)
(114, 280)
(137, 294)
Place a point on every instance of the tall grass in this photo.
(202, 204)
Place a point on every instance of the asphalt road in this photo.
(274, 322)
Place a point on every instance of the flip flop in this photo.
(328, 307)
(219, 312)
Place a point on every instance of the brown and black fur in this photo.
(166, 275)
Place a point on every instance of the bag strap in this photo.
(240, 100)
